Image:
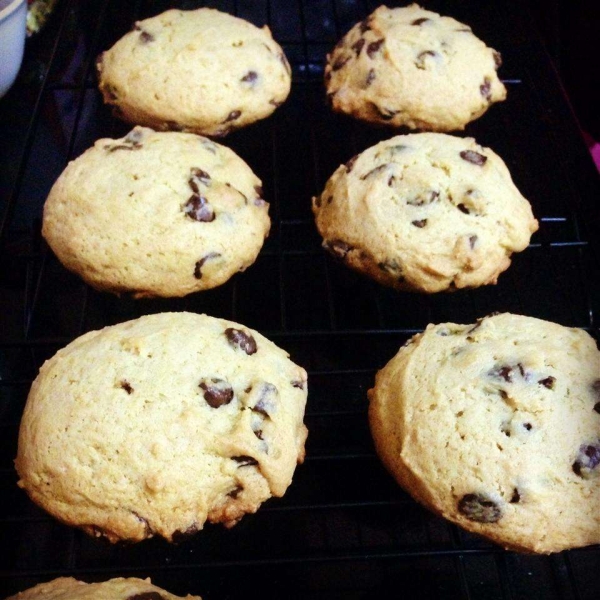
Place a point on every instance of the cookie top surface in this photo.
(156, 214)
(425, 211)
(67, 588)
(201, 70)
(412, 67)
(184, 418)
(496, 426)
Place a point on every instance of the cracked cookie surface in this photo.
(494, 426)
(424, 212)
(120, 588)
(156, 214)
(412, 67)
(202, 71)
(183, 418)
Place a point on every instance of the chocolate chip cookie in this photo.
(496, 427)
(156, 214)
(424, 212)
(201, 70)
(412, 67)
(182, 419)
(67, 588)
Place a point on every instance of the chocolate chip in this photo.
(497, 59)
(420, 21)
(198, 176)
(250, 77)
(126, 386)
(473, 157)
(504, 372)
(217, 392)
(370, 77)
(476, 326)
(241, 339)
(420, 223)
(132, 141)
(146, 596)
(208, 145)
(245, 461)
(200, 263)
(298, 384)
(358, 45)
(198, 208)
(391, 266)
(145, 37)
(340, 62)
(350, 164)
(516, 497)
(134, 137)
(422, 200)
(588, 459)
(338, 248)
(398, 148)
(485, 89)
(318, 201)
(374, 171)
(267, 401)
(472, 241)
(181, 536)
(233, 115)
(463, 209)
(365, 25)
(373, 48)
(548, 382)
(479, 508)
(123, 147)
(528, 426)
(597, 407)
(420, 63)
(235, 492)
(259, 190)
(276, 103)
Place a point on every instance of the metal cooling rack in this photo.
(344, 529)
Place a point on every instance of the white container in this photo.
(13, 17)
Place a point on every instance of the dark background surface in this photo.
(344, 529)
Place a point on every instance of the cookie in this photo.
(201, 71)
(156, 214)
(496, 427)
(67, 588)
(412, 67)
(424, 212)
(183, 419)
